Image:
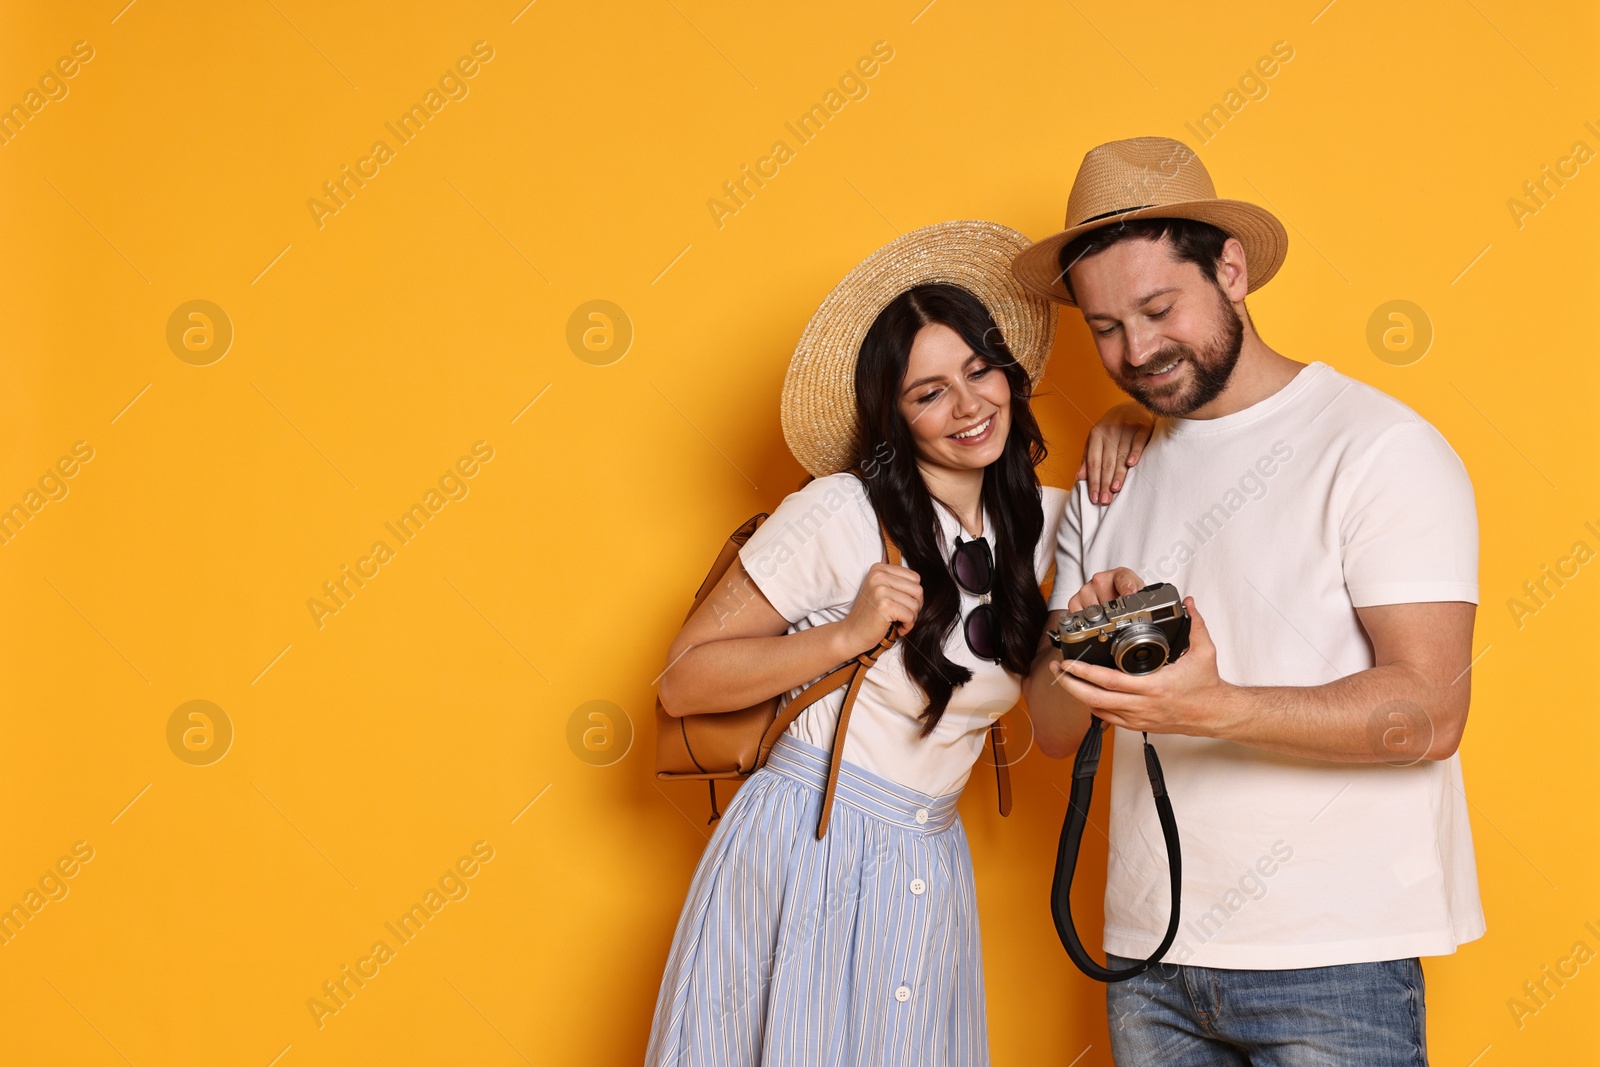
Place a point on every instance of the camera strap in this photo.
(1083, 772)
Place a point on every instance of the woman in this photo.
(907, 398)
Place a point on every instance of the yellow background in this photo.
(431, 712)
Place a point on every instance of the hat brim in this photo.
(1265, 242)
(819, 394)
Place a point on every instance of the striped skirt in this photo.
(859, 950)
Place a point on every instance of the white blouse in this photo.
(809, 558)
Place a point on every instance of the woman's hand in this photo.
(1114, 444)
(890, 594)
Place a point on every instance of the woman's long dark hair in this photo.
(886, 459)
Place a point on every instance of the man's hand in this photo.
(1186, 696)
(1107, 585)
(1411, 705)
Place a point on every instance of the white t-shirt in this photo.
(809, 558)
(1280, 520)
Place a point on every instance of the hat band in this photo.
(1108, 214)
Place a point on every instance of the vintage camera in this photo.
(1135, 633)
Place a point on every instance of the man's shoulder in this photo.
(1060, 505)
(1070, 501)
(1358, 407)
(1361, 425)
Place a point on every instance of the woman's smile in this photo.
(976, 434)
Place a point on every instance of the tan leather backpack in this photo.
(734, 744)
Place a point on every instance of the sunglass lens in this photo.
(983, 633)
(972, 566)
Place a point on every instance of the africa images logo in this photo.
(452, 85)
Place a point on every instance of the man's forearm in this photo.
(1059, 719)
(1411, 706)
(1383, 714)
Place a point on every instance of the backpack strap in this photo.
(840, 675)
(853, 673)
(1002, 769)
(891, 555)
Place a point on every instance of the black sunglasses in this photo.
(973, 565)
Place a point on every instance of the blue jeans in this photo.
(1366, 1014)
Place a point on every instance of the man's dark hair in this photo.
(1193, 241)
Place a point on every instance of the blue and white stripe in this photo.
(859, 949)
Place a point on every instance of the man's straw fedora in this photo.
(819, 391)
(1145, 178)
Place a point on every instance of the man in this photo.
(1327, 538)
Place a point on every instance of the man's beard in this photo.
(1209, 370)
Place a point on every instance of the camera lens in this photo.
(1140, 648)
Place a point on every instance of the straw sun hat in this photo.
(819, 391)
(1151, 177)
